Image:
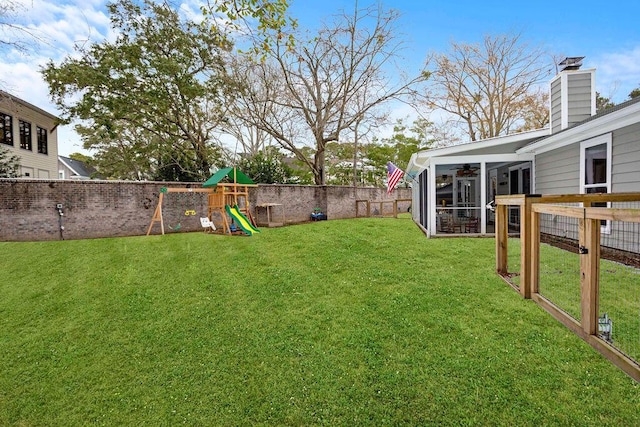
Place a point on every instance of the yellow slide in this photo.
(241, 220)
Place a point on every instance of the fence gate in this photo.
(581, 264)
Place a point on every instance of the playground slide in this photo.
(241, 220)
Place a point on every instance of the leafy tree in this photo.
(263, 21)
(602, 103)
(9, 164)
(153, 98)
(82, 158)
(371, 169)
(488, 87)
(125, 153)
(300, 172)
(266, 167)
(407, 140)
(314, 91)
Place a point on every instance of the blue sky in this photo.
(606, 33)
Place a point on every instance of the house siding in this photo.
(36, 164)
(625, 153)
(579, 92)
(575, 88)
(556, 106)
(558, 171)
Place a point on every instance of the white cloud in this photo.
(618, 73)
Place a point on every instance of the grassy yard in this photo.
(354, 322)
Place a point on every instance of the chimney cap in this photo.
(571, 63)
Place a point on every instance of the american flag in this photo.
(394, 174)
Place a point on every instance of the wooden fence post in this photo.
(526, 244)
(534, 253)
(502, 232)
(589, 249)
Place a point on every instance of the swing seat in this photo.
(207, 224)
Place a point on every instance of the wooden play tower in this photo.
(221, 194)
(235, 192)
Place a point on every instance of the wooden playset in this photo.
(227, 202)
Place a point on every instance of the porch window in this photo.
(6, 129)
(42, 140)
(25, 135)
(595, 170)
(458, 208)
(519, 183)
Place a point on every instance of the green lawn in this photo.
(345, 322)
(619, 292)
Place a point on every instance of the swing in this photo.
(185, 203)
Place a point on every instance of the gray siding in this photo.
(579, 92)
(625, 164)
(576, 88)
(557, 171)
(556, 106)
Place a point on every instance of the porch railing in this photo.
(585, 289)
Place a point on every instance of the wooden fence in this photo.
(589, 220)
(366, 204)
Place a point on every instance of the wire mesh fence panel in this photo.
(559, 275)
(619, 304)
(513, 260)
(622, 236)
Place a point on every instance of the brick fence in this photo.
(94, 209)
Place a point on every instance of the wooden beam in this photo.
(512, 200)
(589, 232)
(525, 248)
(569, 211)
(534, 253)
(592, 198)
(626, 215)
(502, 235)
(188, 190)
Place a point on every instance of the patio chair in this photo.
(472, 225)
(449, 225)
(207, 224)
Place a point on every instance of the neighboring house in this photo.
(30, 133)
(69, 168)
(580, 152)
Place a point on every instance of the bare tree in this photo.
(490, 87)
(256, 88)
(14, 35)
(535, 110)
(313, 91)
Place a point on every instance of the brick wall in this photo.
(93, 209)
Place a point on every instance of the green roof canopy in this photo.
(240, 178)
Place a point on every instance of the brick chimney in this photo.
(572, 94)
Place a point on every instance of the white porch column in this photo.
(483, 197)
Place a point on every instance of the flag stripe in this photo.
(394, 174)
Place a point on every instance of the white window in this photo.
(595, 170)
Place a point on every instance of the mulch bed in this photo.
(612, 254)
